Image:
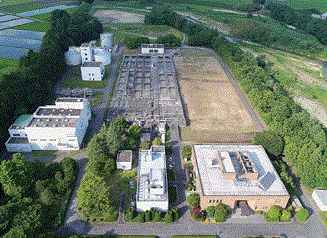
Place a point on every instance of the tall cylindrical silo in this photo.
(73, 56)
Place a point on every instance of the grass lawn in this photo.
(74, 82)
(5, 62)
(172, 194)
(96, 99)
(44, 153)
(323, 216)
(171, 174)
(34, 26)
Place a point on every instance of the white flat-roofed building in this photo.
(124, 159)
(54, 127)
(237, 173)
(152, 187)
(320, 197)
(92, 71)
(152, 49)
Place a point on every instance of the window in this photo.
(33, 139)
(209, 201)
(71, 140)
(213, 201)
(52, 139)
(16, 134)
(43, 139)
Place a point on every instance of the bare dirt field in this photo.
(213, 108)
(112, 16)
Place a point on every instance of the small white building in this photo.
(152, 49)
(124, 159)
(88, 52)
(320, 197)
(54, 127)
(152, 187)
(92, 71)
(162, 127)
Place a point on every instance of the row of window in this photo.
(215, 201)
(50, 140)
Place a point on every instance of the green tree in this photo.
(169, 40)
(175, 213)
(47, 197)
(272, 142)
(148, 217)
(193, 199)
(135, 131)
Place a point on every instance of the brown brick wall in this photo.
(259, 203)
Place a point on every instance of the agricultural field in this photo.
(14, 2)
(34, 26)
(213, 107)
(24, 8)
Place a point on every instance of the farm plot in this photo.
(112, 16)
(214, 109)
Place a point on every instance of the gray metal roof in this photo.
(125, 156)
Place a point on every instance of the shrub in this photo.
(286, 216)
(157, 141)
(187, 151)
(168, 217)
(148, 216)
(210, 211)
(157, 216)
(273, 214)
(140, 217)
(221, 213)
(145, 145)
(175, 212)
(196, 212)
(302, 215)
(193, 199)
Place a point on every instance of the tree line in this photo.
(35, 195)
(300, 19)
(304, 138)
(23, 90)
(99, 193)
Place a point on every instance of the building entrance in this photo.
(244, 207)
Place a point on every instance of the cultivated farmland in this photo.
(214, 109)
(111, 16)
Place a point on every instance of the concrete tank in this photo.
(73, 56)
(106, 40)
(102, 55)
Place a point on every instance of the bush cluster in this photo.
(152, 215)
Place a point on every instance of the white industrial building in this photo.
(152, 49)
(90, 53)
(320, 197)
(92, 71)
(54, 127)
(124, 159)
(152, 187)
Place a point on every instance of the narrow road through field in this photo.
(255, 118)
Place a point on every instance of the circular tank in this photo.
(106, 40)
(73, 56)
(102, 55)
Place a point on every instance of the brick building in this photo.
(235, 175)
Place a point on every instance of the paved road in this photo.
(100, 110)
(255, 118)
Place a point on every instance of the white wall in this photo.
(321, 206)
(92, 73)
(152, 50)
(147, 205)
(127, 165)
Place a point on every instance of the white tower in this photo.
(87, 52)
(73, 56)
(106, 40)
